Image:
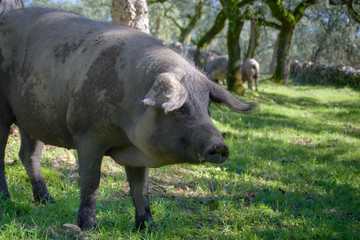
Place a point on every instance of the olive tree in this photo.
(288, 19)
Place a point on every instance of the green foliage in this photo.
(94, 9)
(293, 173)
(321, 31)
(168, 17)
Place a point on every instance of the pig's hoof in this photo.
(86, 223)
(149, 226)
(87, 227)
(45, 200)
(48, 200)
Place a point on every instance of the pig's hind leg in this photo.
(250, 83)
(4, 132)
(256, 81)
(30, 155)
(6, 119)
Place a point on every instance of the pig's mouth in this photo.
(218, 153)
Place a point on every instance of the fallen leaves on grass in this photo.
(305, 142)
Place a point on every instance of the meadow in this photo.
(293, 173)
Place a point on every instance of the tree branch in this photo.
(210, 34)
(155, 1)
(353, 14)
(299, 10)
(277, 10)
(166, 10)
(215, 29)
(244, 2)
(192, 22)
(263, 22)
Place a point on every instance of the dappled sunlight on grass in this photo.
(293, 173)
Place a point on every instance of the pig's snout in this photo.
(217, 153)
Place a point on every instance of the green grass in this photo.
(293, 173)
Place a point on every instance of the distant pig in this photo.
(177, 47)
(250, 70)
(103, 90)
(216, 69)
(209, 55)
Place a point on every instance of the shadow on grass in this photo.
(298, 82)
(308, 208)
(302, 102)
(312, 197)
(206, 211)
(280, 99)
(263, 120)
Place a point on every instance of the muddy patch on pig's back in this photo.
(64, 50)
(102, 89)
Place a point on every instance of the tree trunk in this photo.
(236, 22)
(322, 44)
(338, 56)
(132, 13)
(273, 58)
(254, 39)
(316, 53)
(288, 19)
(155, 33)
(281, 74)
(209, 35)
(8, 5)
(233, 76)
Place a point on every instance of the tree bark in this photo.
(288, 19)
(155, 33)
(236, 22)
(254, 39)
(8, 5)
(233, 77)
(316, 53)
(131, 13)
(281, 74)
(338, 55)
(273, 58)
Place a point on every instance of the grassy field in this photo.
(293, 173)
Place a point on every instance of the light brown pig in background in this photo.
(217, 69)
(250, 70)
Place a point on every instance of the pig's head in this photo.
(176, 125)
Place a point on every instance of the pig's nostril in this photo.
(218, 154)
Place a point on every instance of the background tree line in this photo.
(273, 32)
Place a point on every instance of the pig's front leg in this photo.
(138, 178)
(89, 170)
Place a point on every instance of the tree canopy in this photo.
(307, 30)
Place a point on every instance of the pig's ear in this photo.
(220, 95)
(166, 93)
